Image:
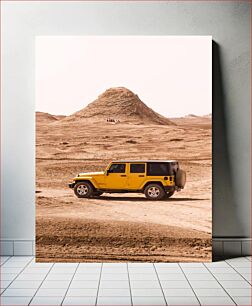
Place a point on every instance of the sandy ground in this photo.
(124, 227)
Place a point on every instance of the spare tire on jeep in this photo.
(180, 178)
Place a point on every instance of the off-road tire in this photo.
(180, 179)
(154, 192)
(83, 190)
(169, 194)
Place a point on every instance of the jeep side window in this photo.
(117, 168)
(137, 168)
(158, 169)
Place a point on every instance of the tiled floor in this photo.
(24, 282)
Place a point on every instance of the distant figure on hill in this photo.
(112, 120)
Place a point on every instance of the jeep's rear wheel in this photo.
(170, 194)
(83, 190)
(154, 192)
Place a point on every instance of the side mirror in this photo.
(107, 172)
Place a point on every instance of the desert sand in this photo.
(121, 227)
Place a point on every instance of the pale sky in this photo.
(171, 74)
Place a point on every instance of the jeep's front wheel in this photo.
(154, 192)
(83, 190)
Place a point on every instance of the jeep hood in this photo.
(91, 173)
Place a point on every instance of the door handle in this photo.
(141, 175)
(123, 175)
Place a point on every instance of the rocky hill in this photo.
(115, 105)
(42, 117)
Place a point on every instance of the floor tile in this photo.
(21, 258)
(178, 292)
(19, 292)
(140, 264)
(15, 300)
(243, 270)
(36, 270)
(80, 300)
(174, 284)
(118, 277)
(88, 270)
(14, 264)
(235, 284)
(200, 276)
(241, 264)
(62, 270)
(8, 276)
(114, 269)
(114, 284)
(220, 300)
(192, 264)
(147, 300)
(178, 300)
(4, 259)
(166, 264)
(219, 270)
(28, 276)
(243, 300)
(220, 264)
(82, 292)
(229, 276)
(114, 292)
(169, 270)
(145, 284)
(87, 277)
(5, 283)
(114, 264)
(51, 292)
(66, 265)
(58, 277)
(248, 277)
(204, 284)
(55, 284)
(47, 300)
(90, 264)
(39, 265)
(239, 291)
(146, 292)
(25, 284)
(172, 276)
(237, 259)
(78, 284)
(142, 271)
(117, 301)
(195, 270)
(9, 270)
(210, 292)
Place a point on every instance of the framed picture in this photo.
(123, 148)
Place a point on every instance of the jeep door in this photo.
(136, 175)
(116, 177)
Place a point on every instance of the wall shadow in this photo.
(225, 215)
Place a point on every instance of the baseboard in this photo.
(17, 247)
(222, 247)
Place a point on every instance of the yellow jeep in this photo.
(155, 178)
